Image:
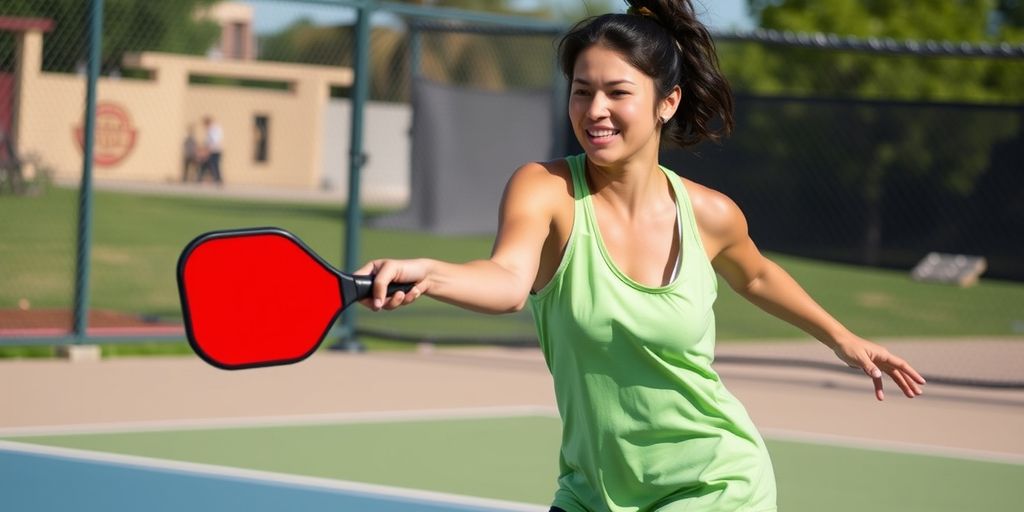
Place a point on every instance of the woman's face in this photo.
(612, 107)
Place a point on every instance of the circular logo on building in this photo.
(115, 134)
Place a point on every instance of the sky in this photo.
(273, 16)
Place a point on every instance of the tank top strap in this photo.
(578, 170)
(584, 219)
(690, 242)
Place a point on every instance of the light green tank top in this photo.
(646, 421)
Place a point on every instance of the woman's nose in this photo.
(598, 107)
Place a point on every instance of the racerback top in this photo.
(646, 422)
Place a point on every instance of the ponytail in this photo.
(664, 40)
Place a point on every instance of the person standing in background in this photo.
(190, 166)
(212, 147)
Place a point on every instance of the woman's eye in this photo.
(580, 92)
(620, 93)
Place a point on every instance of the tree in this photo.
(128, 26)
(897, 146)
(563, 11)
(859, 75)
(488, 62)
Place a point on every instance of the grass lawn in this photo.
(137, 240)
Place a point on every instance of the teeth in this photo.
(601, 133)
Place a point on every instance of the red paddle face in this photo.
(255, 298)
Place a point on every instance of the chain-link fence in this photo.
(874, 152)
(865, 152)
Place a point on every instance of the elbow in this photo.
(518, 296)
(519, 306)
(511, 293)
(757, 284)
(751, 287)
(520, 301)
(501, 307)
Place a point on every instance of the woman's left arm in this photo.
(766, 285)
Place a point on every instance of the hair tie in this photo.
(647, 13)
(642, 11)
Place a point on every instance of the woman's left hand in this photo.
(875, 359)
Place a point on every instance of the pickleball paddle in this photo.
(260, 297)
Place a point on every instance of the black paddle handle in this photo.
(364, 287)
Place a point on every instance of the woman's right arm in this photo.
(500, 284)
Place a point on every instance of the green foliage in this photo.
(1011, 13)
(567, 11)
(771, 70)
(128, 26)
(485, 62)
(491, 6)
(308, 43)
(480, 61)
(955, 156)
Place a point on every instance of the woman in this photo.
(616, 257)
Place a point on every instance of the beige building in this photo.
(280, 130)
(237, 40)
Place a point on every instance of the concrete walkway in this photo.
(786, 403)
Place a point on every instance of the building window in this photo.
(238, 31)
(261, 138)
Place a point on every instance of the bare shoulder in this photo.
(535, 217)
(717, 215)
(538, 183)
(552, 174)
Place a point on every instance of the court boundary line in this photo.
(898, 447)
(469, 413)
(268, 477)
(408, 415)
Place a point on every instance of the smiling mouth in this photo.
(600, 134)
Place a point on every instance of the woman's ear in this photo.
(667, 107)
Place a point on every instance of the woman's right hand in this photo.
(386, 272)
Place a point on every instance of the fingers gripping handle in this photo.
(400, 287)
(364, 287)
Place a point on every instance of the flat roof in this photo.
(19, 24)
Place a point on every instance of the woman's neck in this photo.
(633, 188)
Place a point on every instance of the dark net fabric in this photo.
(465, 145)
(875, 183)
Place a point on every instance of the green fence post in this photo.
(559, 110)
(415, 53)
(81, 321)
(353, 218)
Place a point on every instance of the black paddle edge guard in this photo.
(230, 233)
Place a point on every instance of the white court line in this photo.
(481, 413)
(891, 446)
(283, 421)
(307, 482)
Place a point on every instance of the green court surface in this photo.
(515, 459)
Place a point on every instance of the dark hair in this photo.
(664, 40)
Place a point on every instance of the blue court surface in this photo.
(506, 462)
(39, 478)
